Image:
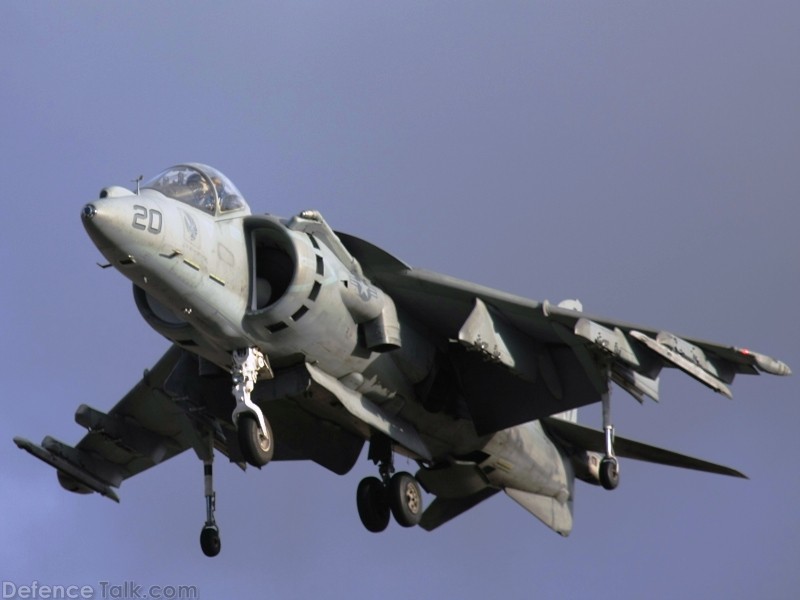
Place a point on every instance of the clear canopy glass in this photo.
(200, 186)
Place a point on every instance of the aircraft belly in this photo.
(361, 407)
(525, 459)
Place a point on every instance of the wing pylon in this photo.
(541, 358)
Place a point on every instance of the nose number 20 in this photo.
(147, 219)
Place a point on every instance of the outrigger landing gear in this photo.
(609, 466)
(209, 536)
(254, 431)
(397, 494)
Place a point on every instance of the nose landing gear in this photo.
(253, 429)
(255, 443)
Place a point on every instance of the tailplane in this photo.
(587, 444)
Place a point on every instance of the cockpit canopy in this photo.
(200, 186)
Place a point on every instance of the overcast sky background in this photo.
(640, 156)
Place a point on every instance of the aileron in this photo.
(683, 364)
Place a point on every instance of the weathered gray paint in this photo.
(455, 374)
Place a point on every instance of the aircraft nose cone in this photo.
(88, 212)
(104, 220)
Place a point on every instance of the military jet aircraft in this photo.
(293, 342)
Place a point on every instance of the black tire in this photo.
(609, 473)
(405, 499)
(209, 541)
(257, 448)
(373, 506)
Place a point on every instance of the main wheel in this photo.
(609, 473)
(405, 499)
(256, 445)
(209, 540)
(373, 506)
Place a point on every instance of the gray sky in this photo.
(640, 156)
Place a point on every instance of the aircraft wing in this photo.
(145, 428)
(173, 408)
(519, 360)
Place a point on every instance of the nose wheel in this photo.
(256, 445)
(252, 427)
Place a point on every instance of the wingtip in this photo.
(773, 366)
(768, 364)
(23, 443)
(111, 496)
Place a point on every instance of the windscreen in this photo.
(200, 186)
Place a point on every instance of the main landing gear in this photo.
(609, 466)
(397, 494)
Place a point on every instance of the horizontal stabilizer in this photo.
(443, 510)
(594, 440)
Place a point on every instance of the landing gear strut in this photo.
(209, 536)
(254, 432)
(397, 494)
(609, 466)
